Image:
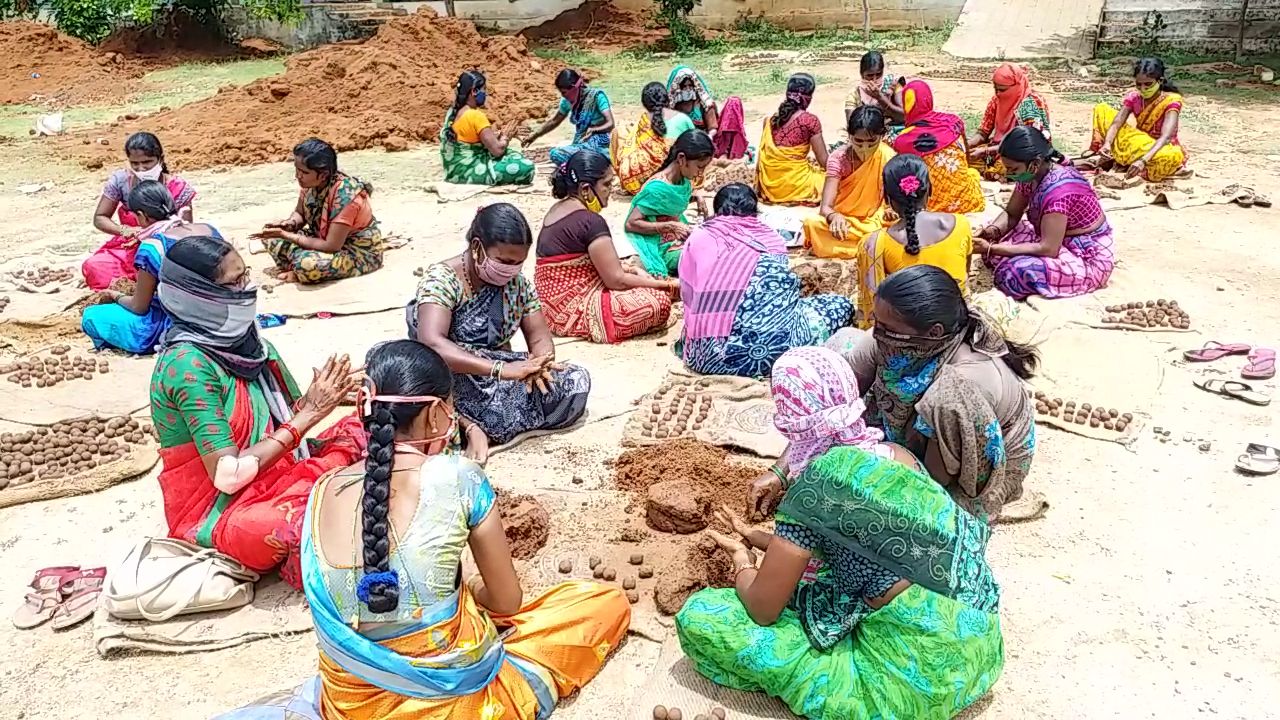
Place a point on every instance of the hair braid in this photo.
(383, 593)
(910, 210)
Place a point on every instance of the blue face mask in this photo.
(480, 97)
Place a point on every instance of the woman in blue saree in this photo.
(588, 109)
(133, 322)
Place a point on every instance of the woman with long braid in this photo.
(919, 237)
(785, 173)
(641, 148)
(404, 630)
(473, 152)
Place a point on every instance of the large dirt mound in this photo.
(597, 25)
(44, 67)
(389, 90)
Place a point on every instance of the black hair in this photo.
(1027, 144)
(398, 367)
(802, 83)
(151, 198)
(654, 97)
(469, 80)
(694, 144)
(201, 254)
(147, 144)
(1154, 68)
(925, 296)
(867, 117)
(872, 61)
(500, 224)
(317, 155)
(907, 205)
(584, 167)
(737, 200)
(567, 78)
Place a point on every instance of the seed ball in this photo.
(609, 575)
(1109, 425)
(598, 572)
(645, 572)
(718, 713)
(628, 583)
(566, 567)
(593, 561)
(1081, 420)
(633, 597)
(675, 714)
(659, 712)
(1094, 423)
(636, 559)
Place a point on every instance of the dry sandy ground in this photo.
(1147, 592)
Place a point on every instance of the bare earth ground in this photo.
(1148, 591)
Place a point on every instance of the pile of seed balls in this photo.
(674, 411)
(47, 372)
(1108, 418)
(1152, 313)
(602, 571)
(43, 276)
(66, 448)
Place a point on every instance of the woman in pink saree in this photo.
(115, 259)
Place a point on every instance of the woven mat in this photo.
(138, 462)
(1118, 193)
(1127, 284)
(387, 288)
(675, 683)
(740, 414)
(277, 611)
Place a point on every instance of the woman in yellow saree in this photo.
(784, 172)
(640, 149)
(401, 636)
(853, 196)
(1150, 149)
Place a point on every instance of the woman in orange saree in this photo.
(1150, 149)
(638, 151)
(938, 138)
(853, 203)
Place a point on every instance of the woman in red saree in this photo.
(584, 289)
(236, 472)
(115, 259)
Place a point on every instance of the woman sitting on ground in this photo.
(1063, 247)
(1014, 104)
(938, 138)
(946, 385)
(401, 634)
(472, 151)
(135, 321)
(1151, 149)
(919, 237)
(584, 289)
(331, 233)
(743, 307)
(691, 95)
(469, 307)
(656, 224)
(785, 173)
(853, 204)
(878, 89)
(639, 150)
(874, 598)
(115, 259)
(588, 109)
(231, 421)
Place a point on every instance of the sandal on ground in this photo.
(1214, 350)
(82, 591)
(1262, 365)
(1259, 460)
(1235, 390)
(41, 604)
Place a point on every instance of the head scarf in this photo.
(699, 92)
(1018, 87)
(722, 257)
(731, 139)
(219, 320)
(818, 405)
(927, 131)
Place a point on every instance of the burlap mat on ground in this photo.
(139, 461)
(1117, 193)
(122, 391)
(1125, 285)
(385, 289)
(740, 415)
(675, 683)
(30, 302)
(277, 611)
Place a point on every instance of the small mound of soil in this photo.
(595, 24)
(705, 565)
(706, 469)
(527, 524)
(823, 277)
(44, 67)
(676, 506)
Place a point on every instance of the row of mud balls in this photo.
(66, 448)
(601, 571)
(48, 372)
(43, 276)
(661, 712)
(1152, 313)
(1108, 418)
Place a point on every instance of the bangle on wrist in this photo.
(293, 433)
(741, 570)
(496, 371)
(782, 475)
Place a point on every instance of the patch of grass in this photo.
(1092, 98)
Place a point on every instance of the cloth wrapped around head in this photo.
(818, 405)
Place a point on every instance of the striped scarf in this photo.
(217, 319)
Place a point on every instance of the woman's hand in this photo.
(838, 225)
(890, 216)
(1138, 167)
(990, 232)
(981, 246)
(737, 549)
(728, 517)
(270, 233)
(765, 494)
(477, 449)
(329, 386)
(105, 297)
(675, 230)
(292, 222)
(673, 287)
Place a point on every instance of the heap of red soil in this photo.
(706, 468)
(526, 521)
(598, 25)
(44, 67)
(390, 90)
(705, 565)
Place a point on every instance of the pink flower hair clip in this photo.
(909, 185)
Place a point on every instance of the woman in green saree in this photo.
(473, 152)
(656, 225)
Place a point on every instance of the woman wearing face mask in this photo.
(1063, 247)
(1151, 149)
(919, 237)
(406, 629)
(588, 109)
(231, 420)
(331, 234)
(691, 95)
(946, 385)
(468, 308)
(1014, 104)
(938, 139)
(656, 225)
(584, 289)
(115, 259)
(785, 174)
(134, 322)
(743, 307)
(853, 194)
(472, 150)
(878, 89)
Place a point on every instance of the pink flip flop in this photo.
(1214, 350)
(1262, 365)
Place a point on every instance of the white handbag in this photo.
(162, 578)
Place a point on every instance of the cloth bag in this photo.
(162, 578)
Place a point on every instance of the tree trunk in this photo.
(866, 19)
(1244, 12)
(449, 9)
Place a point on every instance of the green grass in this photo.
(171, 87)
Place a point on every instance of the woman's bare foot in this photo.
(288, 277)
